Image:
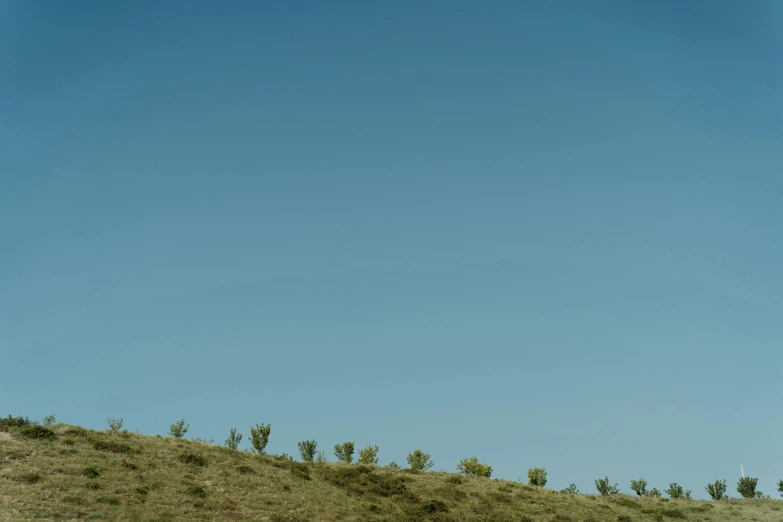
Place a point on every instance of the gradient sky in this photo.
(546, 233)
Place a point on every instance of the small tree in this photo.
(639, 487)
(178, 429)
(393, 465)
(419, 461)
(571, 489)
(321, 457)
(537, 477)
(307, 450)
(747, 487)
(49, 420)
(472, 466)
(114, 424)
(232, 442)
(344, 452)
(259, 437)
(369, 455)
(780, 487)
(675, 491)
(604, 488)
(717, 489)
(654, 493)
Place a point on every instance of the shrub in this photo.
(780, 487)
(14, 422)
(639, 487)
(604, 488)
(655, 493)
(571, 489)
(233, 440)
(38, 432)
(299, 470)
(433, 506)
(91, 472)
(178, 429)
(419, 461)
(210, 440)
(393, 465)
(114, 424)
(537, 477)
(307, 450)
(321, 457)
(675, 491)
(344, 452)
(368, 455)
(196, 491)
(472, 466)
(717, 489)
(193, 458)
(759, 494)
(747, 487)
(49, 420)
(27, 477)
(259, 437)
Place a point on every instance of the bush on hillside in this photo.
(193, 458)
(537, 477)
(676, 491)
(472, 466)
(419, 461)
(259, 437)
(49, 420)
(717, 490)
(780, 487)
(114, 423)
(178, 429)
(344, 452)
(639, 487)
(38, 432)
(605, 488)
(368, 455)
(654, 493)
(571, 489)
(307, 450)
(393, 465)
(233, 440)
(747, 486)
(14, 422)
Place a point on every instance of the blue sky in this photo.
(543, 233)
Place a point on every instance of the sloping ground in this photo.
(73, 473)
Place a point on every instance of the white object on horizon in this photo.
(742, 471)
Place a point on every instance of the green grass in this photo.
(79, 474)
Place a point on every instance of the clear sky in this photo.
(545, 233)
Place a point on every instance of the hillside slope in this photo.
(74, 473)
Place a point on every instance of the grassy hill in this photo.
(65, 472)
